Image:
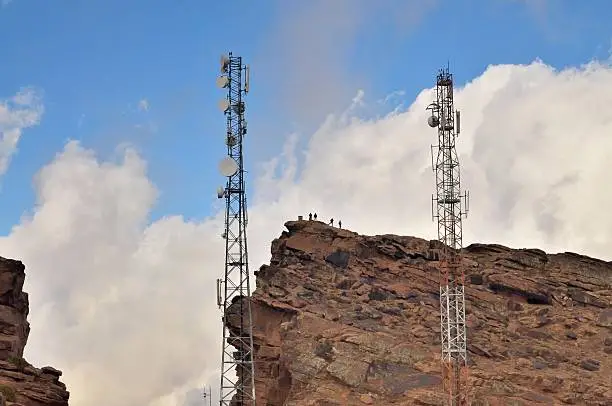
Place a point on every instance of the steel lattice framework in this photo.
(237, 367)
(450, 207)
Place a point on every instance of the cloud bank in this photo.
(127, 307)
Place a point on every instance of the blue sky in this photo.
(95, 60)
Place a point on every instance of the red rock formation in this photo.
(345, 319)
(20, 383)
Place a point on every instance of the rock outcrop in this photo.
(21, 384)
(345, 319)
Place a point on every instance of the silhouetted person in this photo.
(309, 216)
(331, 222)
(339, 223)
(315, 216)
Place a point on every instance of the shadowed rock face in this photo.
(345, 319)
(20, 383)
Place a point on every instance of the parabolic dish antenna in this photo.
(433, 121)
(223, 105)
(228, 166)
(222, 81)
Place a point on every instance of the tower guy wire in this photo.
(450, 207)
(233, 291)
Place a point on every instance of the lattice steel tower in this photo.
(237, 367)
(450, 207)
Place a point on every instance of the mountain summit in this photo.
(346, 319)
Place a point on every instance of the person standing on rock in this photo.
(339, 223)
(315, 216)
(310, 216)
(331, 222)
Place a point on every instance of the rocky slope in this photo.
(20, 383)
(345, 319)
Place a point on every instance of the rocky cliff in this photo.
(20, 383)
(346, 319)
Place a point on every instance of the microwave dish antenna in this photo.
(220, 192)
(228, 166)
(222, 81)
(223, 105)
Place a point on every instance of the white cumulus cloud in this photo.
(126, 307)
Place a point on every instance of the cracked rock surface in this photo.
(21, 384)
(345, 319)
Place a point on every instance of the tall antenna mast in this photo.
(451, 206)
(237, 367)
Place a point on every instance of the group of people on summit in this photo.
(331, 222)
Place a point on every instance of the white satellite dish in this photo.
(220, 192)
(224, 105)
(224, 63)
(228, 166)
(222, 81)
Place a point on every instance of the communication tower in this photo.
(237, 366)
(450, 207)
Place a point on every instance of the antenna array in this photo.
(233, 291)
(450, 205)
